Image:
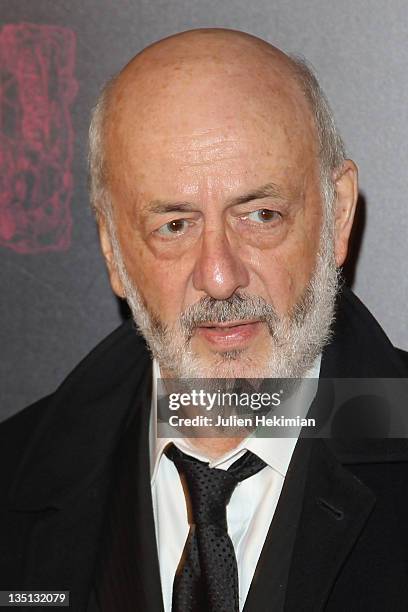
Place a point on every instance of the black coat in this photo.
(339, 537)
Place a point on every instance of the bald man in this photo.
(224, 202)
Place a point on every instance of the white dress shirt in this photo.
(252, 504)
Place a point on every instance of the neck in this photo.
(213, 447)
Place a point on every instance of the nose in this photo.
(219, 271)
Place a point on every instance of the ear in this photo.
(346, 186)
(107, 250)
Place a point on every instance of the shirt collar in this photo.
(276, 452)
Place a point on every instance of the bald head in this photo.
(222, 52)
(192, 83)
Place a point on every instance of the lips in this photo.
(225, 324)
(230, 334)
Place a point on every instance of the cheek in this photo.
(285, 272)
(162, 284)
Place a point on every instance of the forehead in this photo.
(188, 126)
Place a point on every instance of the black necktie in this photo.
(207, 576)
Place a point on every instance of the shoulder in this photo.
(119, 357)
(359, 347)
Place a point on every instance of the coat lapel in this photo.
(66, 474)
(320, 514)
(323, 507)
(335, 508)
(336, 505)
(268, 586)
(127, 577)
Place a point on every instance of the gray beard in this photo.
(295, 339)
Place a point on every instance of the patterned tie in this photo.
(207, 576)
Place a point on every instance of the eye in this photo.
(264, 215)
(173, 228)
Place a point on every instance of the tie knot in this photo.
(210, 489)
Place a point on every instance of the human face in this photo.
(229, 209)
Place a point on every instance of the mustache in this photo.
(240, 306)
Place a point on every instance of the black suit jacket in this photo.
(76, 507)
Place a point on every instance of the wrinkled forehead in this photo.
(189, 112)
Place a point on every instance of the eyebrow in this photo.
(269, 190)
(161, 206)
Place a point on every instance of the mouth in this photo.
(230, 334)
